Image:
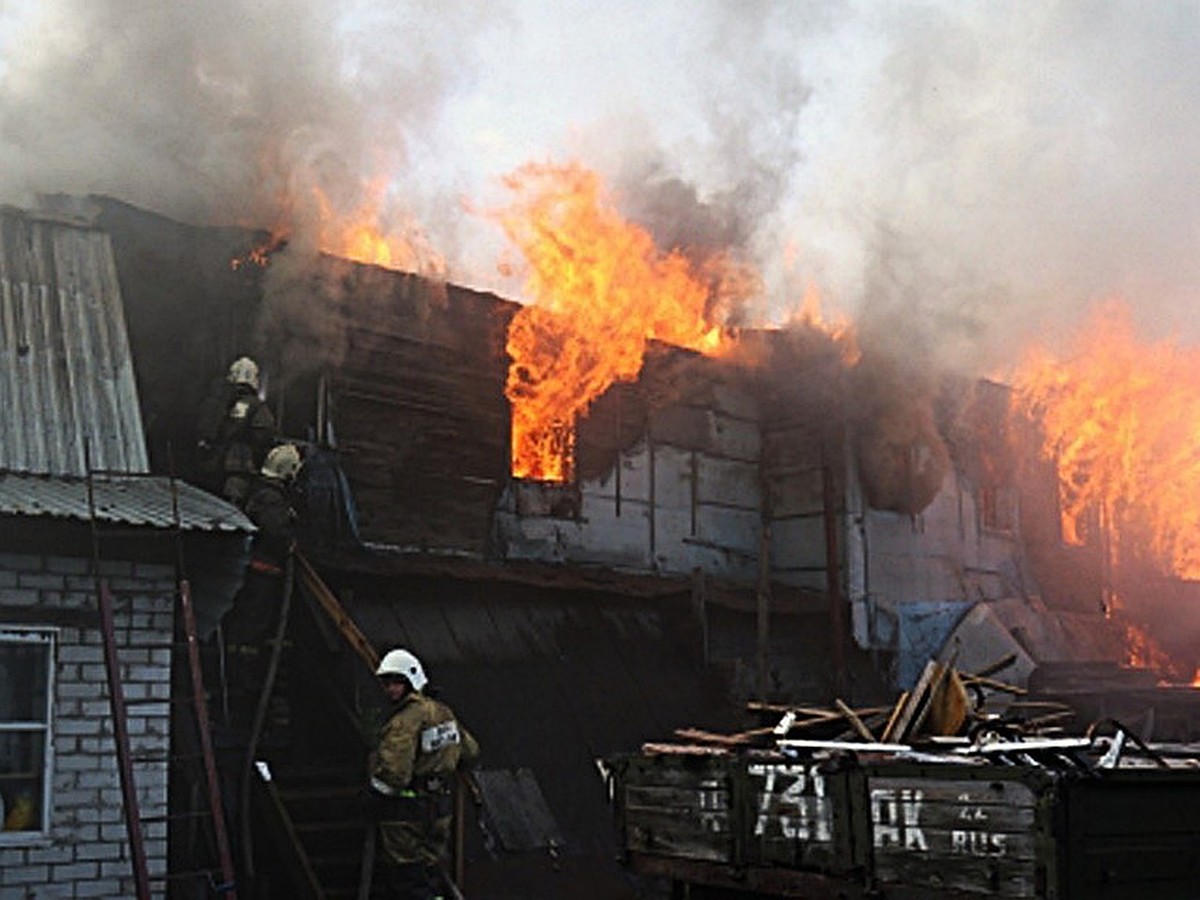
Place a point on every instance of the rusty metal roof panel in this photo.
(136, 500)
(66, 374)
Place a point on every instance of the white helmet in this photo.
(283, 462)
(244, 370)
(404, 664)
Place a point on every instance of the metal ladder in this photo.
(185, 616)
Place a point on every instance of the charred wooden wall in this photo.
(803, 458)
(418, 406)
(189, 312)
(413, 370)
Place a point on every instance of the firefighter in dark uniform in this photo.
(251, 622)
(234, 431)
(420, 748)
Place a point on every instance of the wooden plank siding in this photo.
(765, 812)
(962, 833)
(795, 816)
(794, 478)
(679, 810)
(421, 417)
(1135, 835)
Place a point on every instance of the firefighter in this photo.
(252, 620)
(234, 431)
(421, 746)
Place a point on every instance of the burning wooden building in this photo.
(765, 521)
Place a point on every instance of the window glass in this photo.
(26, 658)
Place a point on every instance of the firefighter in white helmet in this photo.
(421, 746)
(234, 431)
(272, 507)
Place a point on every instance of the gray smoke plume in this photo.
(226, 111)
(956, 177)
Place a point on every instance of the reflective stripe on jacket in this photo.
(421, 739)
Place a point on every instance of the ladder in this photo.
(186, 621)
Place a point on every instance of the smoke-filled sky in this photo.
(959, 174)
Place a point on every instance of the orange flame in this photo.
(600, 290)
(259, 255)
(1143, 652)
(1121, 419)
(364, 224)
(365, 234)
(840, 329)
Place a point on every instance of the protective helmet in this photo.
(283, 462)
(403, 664)
(244, 370)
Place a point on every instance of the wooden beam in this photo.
(890, 728)
(984, 681)
(998, 666)
(341, 619)
(856, 723)
(683, 749)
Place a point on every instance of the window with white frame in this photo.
(26, 689)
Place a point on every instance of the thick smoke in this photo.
(221, 112)
(953, 176)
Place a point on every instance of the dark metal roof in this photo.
(66, 374)
(140, 500)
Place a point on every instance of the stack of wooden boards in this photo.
(944, 702)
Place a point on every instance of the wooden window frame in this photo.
(48, 637)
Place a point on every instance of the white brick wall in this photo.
(87, 853)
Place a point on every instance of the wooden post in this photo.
(322, 412)
(764, 608)
(617, 467)
(694, 498)
(700, 610)
(460, 818)
(833, 509)
(650, 509)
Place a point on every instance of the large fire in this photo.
(368, 233)
(1121, 419)
(368, 230)
(599, 290)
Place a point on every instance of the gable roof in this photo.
(66, 374)
(68, 391)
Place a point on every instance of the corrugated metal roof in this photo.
(66, 373)
(148, 500)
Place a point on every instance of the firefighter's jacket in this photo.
(421, 746)
(270, 507)
(235, 429)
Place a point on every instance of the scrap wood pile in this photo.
(946, 711)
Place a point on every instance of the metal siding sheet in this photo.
(66, 373)
(727, 482)
(128, 500)
(938, 832)
(517, 810)
(10, 400)
(797, 494)
(634, 481)
(798, 543)
(672, 478)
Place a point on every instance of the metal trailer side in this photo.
(902, 830)
(1132, 834)
(763, 823)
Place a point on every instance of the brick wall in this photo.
(87, 853)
